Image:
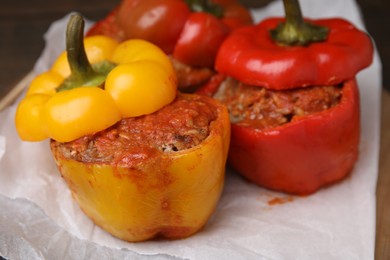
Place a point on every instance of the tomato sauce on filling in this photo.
(266, 108)
(180, 125)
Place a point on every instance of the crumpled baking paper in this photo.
(40, 220)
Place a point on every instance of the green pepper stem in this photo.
(205, 6)
(293, 12)
(82, 72)
(296, 31)
(77, 57)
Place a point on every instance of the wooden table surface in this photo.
(23, 22)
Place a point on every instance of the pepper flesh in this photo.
(171, 195)
(304, 155)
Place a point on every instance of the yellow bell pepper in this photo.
(129, 79)
(29, 116)
(70, 114)
(171, 196)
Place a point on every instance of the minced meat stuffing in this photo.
(190, 78)
(269, 108)
(178, 126)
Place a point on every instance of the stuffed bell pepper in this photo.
(189, 31)
(141, 160)
(290, 88)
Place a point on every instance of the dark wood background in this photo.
(23, 23)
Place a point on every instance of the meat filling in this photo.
(190, 78)
(181, 125)
(270, 108)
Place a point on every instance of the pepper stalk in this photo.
(295, 30)
(205, 6)
(82, 72)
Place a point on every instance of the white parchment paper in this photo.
(40, 220)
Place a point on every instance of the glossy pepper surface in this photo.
(310, 151)
(290, 52)
(303, 155)
(158, 194)
(76, 98)
(253, 57)
(183, 29)
(169, 195)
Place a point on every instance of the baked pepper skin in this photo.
(311, 151)
(304, 155)
(171, 195)
(252, 56)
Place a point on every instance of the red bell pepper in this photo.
(108, 27)
(304, 155)
(205, 32)
(310, 151)
(252, 56)
(186, 29)
(159, 22)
